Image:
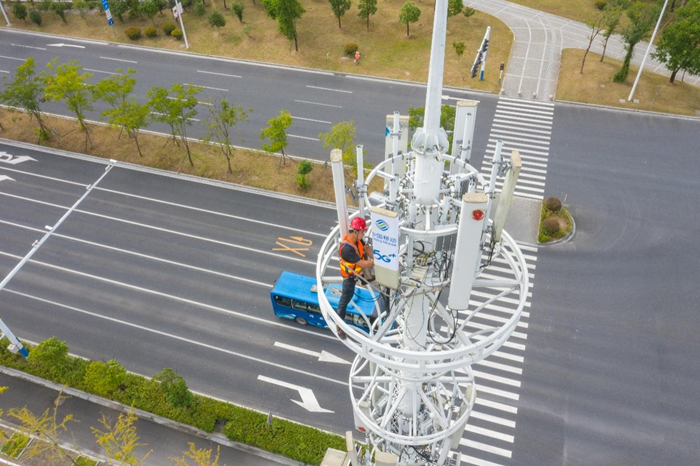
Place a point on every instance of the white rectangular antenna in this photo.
(341, 202)
(506, 196)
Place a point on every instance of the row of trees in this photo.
(678, 46)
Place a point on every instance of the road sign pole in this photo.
(646, 54)
(5, 14)
(110, 20)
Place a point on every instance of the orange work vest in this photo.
(348, 269)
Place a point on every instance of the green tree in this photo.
(303, 169)
(454, 7)
(35, 17)
(416, 116)
(459, 47)
(237, 8)
(217, 20)
(201, 457)
(276, 134)
(175, 107)
(199, 9)
(120, 439)
(26, 91)
(596, 25)
(19, 11)
(641, 19)
(223, 118)
(612, 21)
(409, 13)
(286, 12)
(118, 8)
(679, 45)
(102, 378)
(69, 84)
(59, 9)
(468, 12)
(367, 9)
(174, 388)
(83, 7)
(116, 88)
(49, 358)
(342, 136)
(47, 429)
(339, 8)
(149, 9)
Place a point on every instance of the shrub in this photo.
(216, 20)
(133, 32)
(247, 29)
(302, 181)
(104, 379)
(60, 10)
(551, 225)
(601, 4)
(177, 33)
(304, 167)
(49, 358)
(150, 31)
(19, 11)
(174, 387)
(168, 28)
(350, 48)
(199, 9)
(553, 204)
(35, 17)
(237, 8)
(118, 8)
(44, 5)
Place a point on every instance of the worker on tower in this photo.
(352, 261)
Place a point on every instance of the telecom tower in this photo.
(436, 240)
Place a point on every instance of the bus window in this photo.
(306, 307)
(286, 302)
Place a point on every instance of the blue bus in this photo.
(295, 297)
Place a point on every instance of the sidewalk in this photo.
(164, 442)
(539, 37)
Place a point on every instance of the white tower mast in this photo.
(414, 364)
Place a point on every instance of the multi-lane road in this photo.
(159, 270)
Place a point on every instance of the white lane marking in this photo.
(495, 405)
(497, 378)
(67, 45)
(493, 419)
(183, 339)
(14, 160)
(311, 119)
(144, 256)
(323, 356)
(518, 127)
(520, 148)
(119, 59)
(165, 230)
(28, 47)
(540, 118)
(544, 128)
(497, 392)
(486, 448)
(525, 109)
(13, 58)
(328, 89)
(100, 71)
(476, 461)
(504, 134)
(510, 357)
(3, 71)
(539, 124)
(501, 367)
(544, 104)
(5, 177)
(207, 87)
(304, 137)
(490, 433)
(183, 100)
(221, 310)
(316, 103)
(516, 142)
(309, 401)
(161, 114)
(220, 74)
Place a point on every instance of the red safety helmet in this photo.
(358, 224)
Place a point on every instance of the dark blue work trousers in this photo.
(346, 295)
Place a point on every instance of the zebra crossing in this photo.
(525, 126)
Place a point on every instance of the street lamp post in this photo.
(5, 15)
(651, 41)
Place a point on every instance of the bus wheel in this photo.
(301, 321)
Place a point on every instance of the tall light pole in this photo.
(646, 54)
(5, 14)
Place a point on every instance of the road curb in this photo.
(214, 437)
(629, 110)
(566, 238)
(239, 60)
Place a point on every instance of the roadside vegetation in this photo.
(166, 394)
(309, 33)
(555, 221)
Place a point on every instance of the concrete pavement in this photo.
(539, 38)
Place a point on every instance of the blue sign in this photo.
(387, 131)
(105, 5)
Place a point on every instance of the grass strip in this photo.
(15, 445)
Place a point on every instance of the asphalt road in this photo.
(316, 99)
(612, 370)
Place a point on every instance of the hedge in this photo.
(50, 360)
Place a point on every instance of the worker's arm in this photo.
(365, 263)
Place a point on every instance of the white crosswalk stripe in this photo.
(490, 433)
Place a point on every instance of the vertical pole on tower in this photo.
(339, 189)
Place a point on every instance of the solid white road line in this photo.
(520, 123)
(182, 100)
(119, 59)
(100, 71)
(493, 419)
(207, 87)
(508, 139)
(466, 459)
(191, 119)
(220, 74)
(328, 89)
(485, 447)
(28, 47)
(525, 109)
(544, 104)
(503, 134)
(317, 103)
(497, 378)
(495, 405)
(303, 137)
(183, 339)
(311, 119)
(489, 433)
(518, 117)
(501, 367)
(517, 126)
(497, 392)
(13, 58)
(511, 143)
(143, 256)
(539, 118)
(3, 71)
(174, 298)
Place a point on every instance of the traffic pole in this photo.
(5, 15)
(646, 54)
(182, 25)
(485, 47)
